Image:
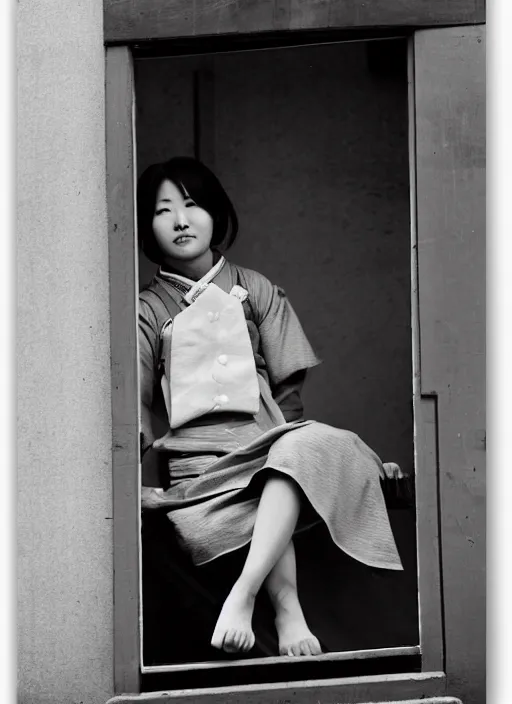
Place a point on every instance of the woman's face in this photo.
(182, 229)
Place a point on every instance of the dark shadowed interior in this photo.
(311, 144)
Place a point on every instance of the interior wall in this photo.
(64, 571)
(312, 148)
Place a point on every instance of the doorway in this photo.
(311, 144)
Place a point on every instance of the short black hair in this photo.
(203, 187)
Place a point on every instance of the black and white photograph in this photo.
(251, 352)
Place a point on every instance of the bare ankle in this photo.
(247, 585)
(285, 599)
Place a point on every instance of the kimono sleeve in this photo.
(148, 343)
(284, 344)
(287, 395)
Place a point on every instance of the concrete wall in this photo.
(312, 147)
(64, 436)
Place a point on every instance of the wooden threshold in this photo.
(355, 690)
(283, 669)
(275, 660)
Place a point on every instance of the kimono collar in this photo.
(189, 288)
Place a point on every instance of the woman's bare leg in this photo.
(295, 638)
(277, 515)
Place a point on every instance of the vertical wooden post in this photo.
(450, 177)
(125, 393)
(425, 444)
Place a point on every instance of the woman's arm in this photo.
(148, 352)
(288, 396)
(283, 343)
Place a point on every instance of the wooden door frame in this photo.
(126, 462)
(120, 150)
(129, 22)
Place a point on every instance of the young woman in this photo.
(222, 351)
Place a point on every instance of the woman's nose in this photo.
(181, 222)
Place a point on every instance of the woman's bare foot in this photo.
(233, 630)
(295, 638)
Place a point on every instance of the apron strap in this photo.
(172, 301)
(165, 306)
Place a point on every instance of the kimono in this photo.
(228, 357)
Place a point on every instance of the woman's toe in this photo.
(229, 644)
(316, 648)
(251, 640)
(305, 648)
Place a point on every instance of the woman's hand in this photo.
(151, 497)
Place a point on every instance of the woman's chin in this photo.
(186, 253)
(190, 255)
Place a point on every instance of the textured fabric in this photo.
(217, 462)
(213, 511)
(283, 345)
(281, 350)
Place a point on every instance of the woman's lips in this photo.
(183, 239)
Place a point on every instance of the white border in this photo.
(7, 412)
(499, 278)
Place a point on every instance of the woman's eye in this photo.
(162, 210)
(190, 204)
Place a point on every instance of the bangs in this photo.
(189, 180)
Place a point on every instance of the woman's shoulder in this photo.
(148, 288)
(264, 294)
(153, 305)
(254, 281)
(147, 297)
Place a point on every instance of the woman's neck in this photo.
(194, 269)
